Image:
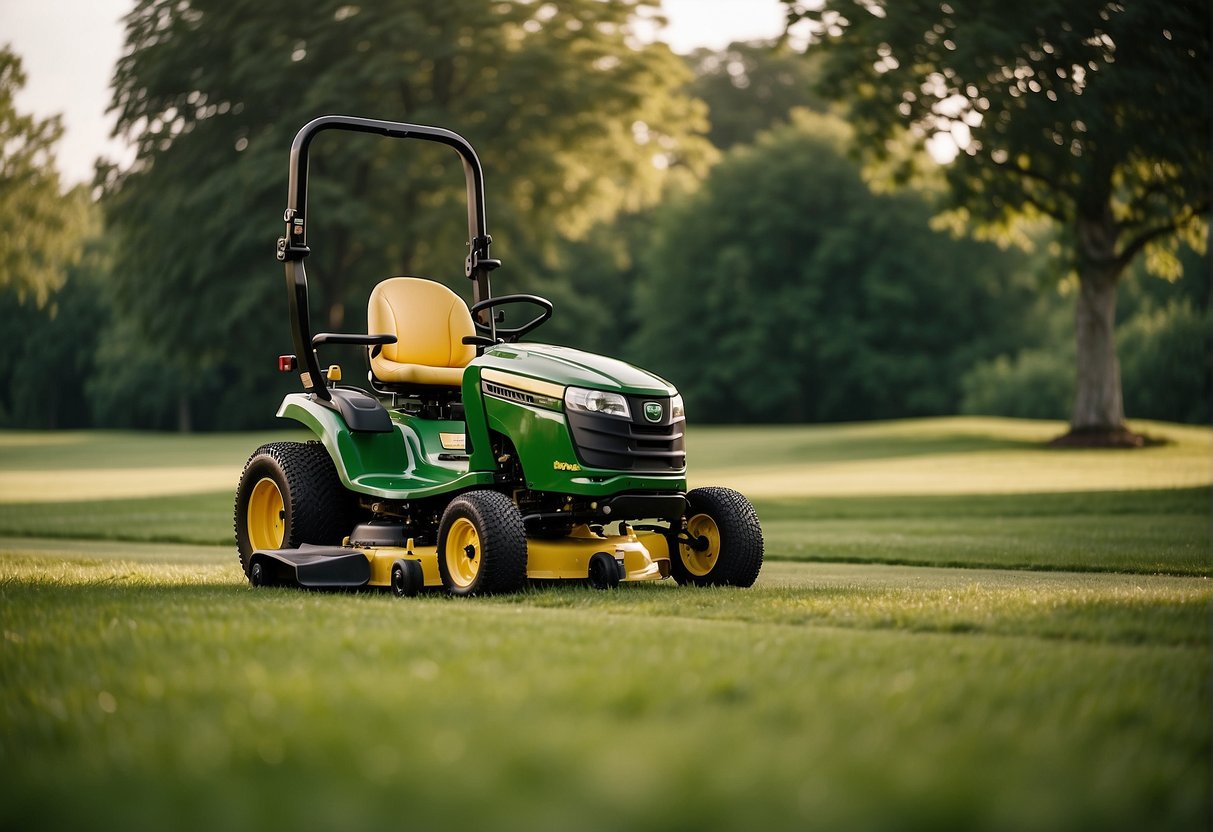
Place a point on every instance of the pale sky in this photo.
(69, 48)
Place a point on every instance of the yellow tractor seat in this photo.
(429, 322)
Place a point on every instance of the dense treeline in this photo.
(706, 218)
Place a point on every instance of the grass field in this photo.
(956, 628)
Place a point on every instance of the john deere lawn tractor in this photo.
(473, 462)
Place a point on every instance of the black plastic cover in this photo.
(361, 412)
(318, 566)
(643, 506)
(378, 533)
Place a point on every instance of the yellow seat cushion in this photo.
(429, 322)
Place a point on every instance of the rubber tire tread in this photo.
(741, 543)
(502, 543)
(319, 509)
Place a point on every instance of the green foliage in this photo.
(1168, 362)
(1055, 106)
(750, 87)
(42, 229)
(1167, 358)
(1031, 384)
(1056, 110)
(786, 290)
(571, 123)
(49, 337)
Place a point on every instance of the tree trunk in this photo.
(1098, 405)
(185, 422)
(1099, 412)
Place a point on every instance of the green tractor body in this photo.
(483, 469)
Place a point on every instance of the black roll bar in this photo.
(292, 248)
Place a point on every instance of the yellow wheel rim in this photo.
(266, 516)
(463, 554)
(700, 561)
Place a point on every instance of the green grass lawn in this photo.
(170, 695)
(1160, 524)
(863, 683)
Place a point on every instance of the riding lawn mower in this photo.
(473, 461)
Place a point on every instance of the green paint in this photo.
(405, 463)
(401, 465)
(549, 462)
(566, 366)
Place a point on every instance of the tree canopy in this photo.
(1094, 113)
(815, 298)
(42, 228)
(750, 87)
(572, 119)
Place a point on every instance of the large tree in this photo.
(42, 226)
(1093, 113)
(826, 302)
(572, 117)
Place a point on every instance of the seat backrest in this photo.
(429, 322)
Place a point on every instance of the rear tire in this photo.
(289, 494)
(482, 545)
(731, 540)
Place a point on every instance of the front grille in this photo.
(629, 445)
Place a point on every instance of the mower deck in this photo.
(638, 557)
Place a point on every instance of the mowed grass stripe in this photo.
(1158, 610)
(941, 456)
(1140, 543)
(1164, 531)
(955, 455)
(204, 519)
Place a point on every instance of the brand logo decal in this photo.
(453, 441)
(653, 411)
(565, 466)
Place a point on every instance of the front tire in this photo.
(257, 576)
(289, 494)
(482, 545)
(407, 578)
(728, 546)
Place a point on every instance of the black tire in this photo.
(482, 545)
(604, 571)
(257, 576)
(314, 506)
(407, 578)
(729, 526)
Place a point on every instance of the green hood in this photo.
(570, 367)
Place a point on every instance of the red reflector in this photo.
(286, 363)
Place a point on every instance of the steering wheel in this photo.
(511, 334)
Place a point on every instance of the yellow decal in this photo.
(453, 441)
(566, 466)
(530, 385)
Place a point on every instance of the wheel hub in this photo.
(462, 549)
(700, 553)
(266, 515)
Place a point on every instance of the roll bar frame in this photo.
(292, 248)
